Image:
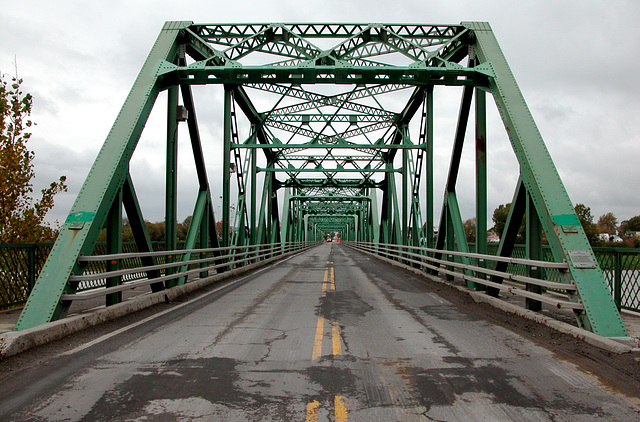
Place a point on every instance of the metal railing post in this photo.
(31, 276)
(617, 280)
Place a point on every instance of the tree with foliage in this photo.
(630, 225)
(156, 231)
(500, 216)
(607, 223)
(21, 217)
(470, 229)
(586, 219)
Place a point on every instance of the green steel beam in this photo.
(534, 251)
(226, 164)
(481, 178)
(429, 164)
(282, 63)
(114, 246)
(337, 145)
(323, 75)
(404, 195)
(510, 232)
(458, 231)
(542, 181)
(286, 216)
(139, 229)
(446, 225)
(197, 220)
(79, 232)
(171, 185)
(326, 170)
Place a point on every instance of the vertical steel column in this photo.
(253, 189)
(450, 237)
(617, 281)
(204, 237)
(405, 189)
(385, 211)
(171, 199)
(226, 164)
(31, 276)
(114, 246)
(139, 230)
(429, 174)
(288, 218)
(446, 225)
(270, 193)
(510, 233)
(374, 222)
(481, 178)
(534, 251)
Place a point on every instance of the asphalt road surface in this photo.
(330, 334)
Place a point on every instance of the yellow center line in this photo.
(328, 280)
(324, 282)
(335, 338)
(317, 343)
(312, 411)
(340, 409)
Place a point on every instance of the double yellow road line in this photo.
(329, 282)
(339, 407)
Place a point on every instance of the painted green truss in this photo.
(342, 141)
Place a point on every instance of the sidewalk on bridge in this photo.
(9, 318)
(630, 319)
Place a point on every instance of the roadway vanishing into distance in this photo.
(329, 334)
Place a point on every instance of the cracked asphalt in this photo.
(327, 335)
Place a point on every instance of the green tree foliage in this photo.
(630, 225)
(607, 223)
(470, 229)
(156, 231)
(500, 216)
(21, 217)
(586, 219)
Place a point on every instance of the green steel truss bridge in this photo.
(326, 128)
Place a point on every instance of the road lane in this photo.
(330, 334)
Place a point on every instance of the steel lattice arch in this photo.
(329, 152)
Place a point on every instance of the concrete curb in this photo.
(14, 342)
(623, 345)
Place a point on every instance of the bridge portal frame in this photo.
(432, 55)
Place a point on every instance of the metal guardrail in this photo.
(20, 265)
(479, 274)
(178, 260)
(620, 266)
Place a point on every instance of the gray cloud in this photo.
(575, 61)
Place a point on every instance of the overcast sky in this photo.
(576, 62)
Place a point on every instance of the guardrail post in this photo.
(114, 246)
(534, 251)
(617, 280)
(31, 276)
